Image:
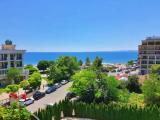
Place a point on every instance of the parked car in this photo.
(26, 102)
(63, 82)
(37, 95)
(57, 85)
(50, 89)
(70, 95)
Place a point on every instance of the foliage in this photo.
(14, 112)
(136, 99)
(88, 62)
(151, 91)
(97, 63)
(43, 65)
(12, 88)
(80, 62)
(91, 87)
(63, 68)
(35, 80)
(133, 84)
(31, 69)
(130, 62)
(99, 111)
(155, 69)
(13, 74)
(24, 84)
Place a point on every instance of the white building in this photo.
(10, 57)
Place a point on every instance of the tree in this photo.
(13, 75)
(88, 62)
(97, 63)
(24, 84)
(80, 62)
(63, 68)
(43, 65)
(31, 69)
(55, 74)
(35, 80)
(155, 69)
(130, 62)
(91, 88)
(14, 112)
(151, 89)
(83, 85)
(12, 88)
(133, 84)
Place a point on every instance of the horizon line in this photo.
(84, 51)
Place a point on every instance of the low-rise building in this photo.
(10, 57)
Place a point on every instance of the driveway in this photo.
(54, 97)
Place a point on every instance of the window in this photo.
(19, 56)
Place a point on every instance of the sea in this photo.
(111, 57)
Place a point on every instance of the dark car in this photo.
(70, 95)
(38, 95)
(50, 90)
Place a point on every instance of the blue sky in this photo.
(78, 25)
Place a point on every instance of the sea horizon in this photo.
(112, 57)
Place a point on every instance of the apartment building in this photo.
(149, 53)
(10, 57)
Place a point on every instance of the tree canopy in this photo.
(35, 80)
(43, 65)
(63, 68)
(90, 88)
(31, 69)
(13, 75)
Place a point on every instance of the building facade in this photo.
(148, 54)
(10, 57)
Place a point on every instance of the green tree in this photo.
(14, 112)
(155, 69)
(63, 68)
(88, 62)
(130, 62)
(151, 91)
(91, 88)
(13, 75)
(12, 88)
(24, 84)
(54, 74)
(80, 62)
(43, 65)
(35, 80)
(133, 84)
(97, 63)
(31, 69)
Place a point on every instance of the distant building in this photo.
(10, 57)
(149, 54)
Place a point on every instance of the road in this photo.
(54, 97)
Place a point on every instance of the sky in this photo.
(78, 25)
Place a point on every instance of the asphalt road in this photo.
(54, 97)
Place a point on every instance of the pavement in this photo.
(52, 98)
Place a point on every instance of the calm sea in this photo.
(108, 57)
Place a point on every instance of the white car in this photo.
(57, 85)
(63, 82)
(26, 102)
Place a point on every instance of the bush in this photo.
(99, 111)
